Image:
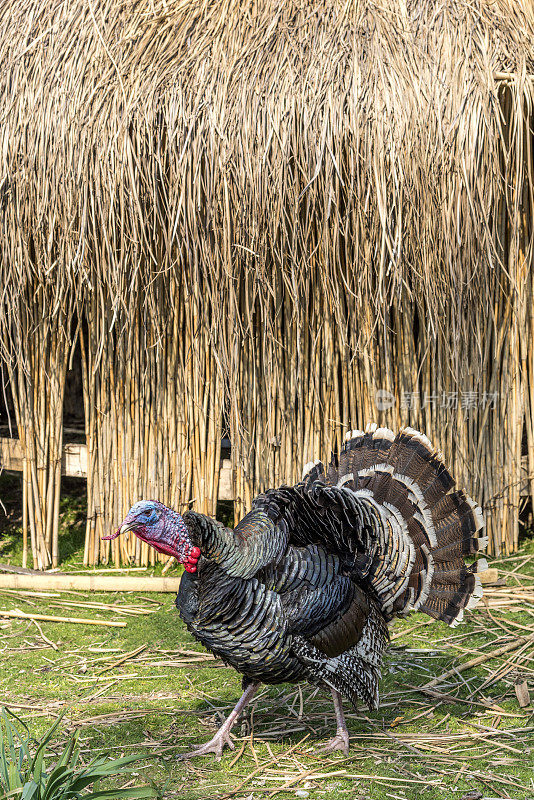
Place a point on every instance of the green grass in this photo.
(152, 708)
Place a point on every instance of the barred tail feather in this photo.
(429, 526)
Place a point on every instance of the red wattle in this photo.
(190, 567)
(195, 553)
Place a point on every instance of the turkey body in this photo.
(305, 586)
(272, 635)
(242, 622)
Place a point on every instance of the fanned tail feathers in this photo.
(428, 526)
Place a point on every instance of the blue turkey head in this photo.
(163, 529)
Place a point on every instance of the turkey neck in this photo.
(206, 533)
(234, 551)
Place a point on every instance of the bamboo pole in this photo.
(92, 583)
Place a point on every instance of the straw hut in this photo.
(268, 221)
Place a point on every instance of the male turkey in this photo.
(306, 584)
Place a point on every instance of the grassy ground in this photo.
(171, 695)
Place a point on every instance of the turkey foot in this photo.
(341, 740)
(222, 737)
(215, 745)
(338, 742)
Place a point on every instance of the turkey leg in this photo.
(341, 740)
(222, 737)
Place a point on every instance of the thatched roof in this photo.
(175, 117)
(312, 180)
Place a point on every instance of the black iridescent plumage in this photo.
(305, 585)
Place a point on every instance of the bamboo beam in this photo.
(89, 583)
(75, 460)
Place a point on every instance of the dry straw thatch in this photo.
(255, 215)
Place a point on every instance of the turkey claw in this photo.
(338, 742)
(215, 745)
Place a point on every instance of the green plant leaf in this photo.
(31, 791)
(58, 776)
(4, 769)
(44, 741)
(104, 768)
(37, 767)
(11, 758)
(116, 764)
(10, 739)
(14, 777)
(14, 793)
(88, 777)
(71, 753)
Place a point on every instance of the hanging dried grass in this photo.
(258, 216)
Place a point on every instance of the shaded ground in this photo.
(168, 694)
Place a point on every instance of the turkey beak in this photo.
(126, 527)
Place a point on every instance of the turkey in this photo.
(306, 585)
